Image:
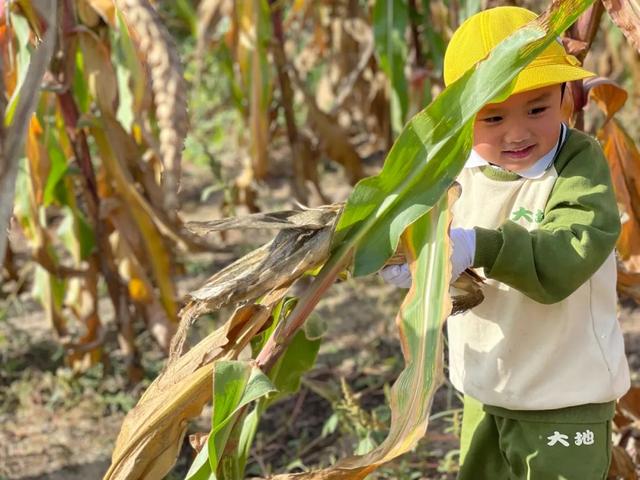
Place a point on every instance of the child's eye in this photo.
(492, 120)
(537, 110)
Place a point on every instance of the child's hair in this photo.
(474, 40)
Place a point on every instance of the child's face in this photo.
(516, 133)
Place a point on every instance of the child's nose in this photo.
(517, 133)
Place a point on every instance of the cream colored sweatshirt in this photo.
(546, 336)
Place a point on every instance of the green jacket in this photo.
(579, 228)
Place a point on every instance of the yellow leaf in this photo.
(139, 291)
(39, 164)
(609, 97)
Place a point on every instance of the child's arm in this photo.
(580, 228)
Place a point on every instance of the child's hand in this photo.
(463, 250)
(398, 275)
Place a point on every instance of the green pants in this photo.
(566, 444)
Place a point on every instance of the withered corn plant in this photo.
(95, 93)
(405, 203)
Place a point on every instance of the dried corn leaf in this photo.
(100, 74)
(624, 161)
(334, 139)
(127, 253)
(292, 252)
(629, 284)
(626, 14)
(113, 152)
(629, 404)
(312, 219)
(151, 434)
(158, 49)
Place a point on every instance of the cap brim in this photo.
(535, 76)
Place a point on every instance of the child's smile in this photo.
(520, 152)
(516, 133)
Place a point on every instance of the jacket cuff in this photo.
(488, 245)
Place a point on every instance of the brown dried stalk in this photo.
(158, 50)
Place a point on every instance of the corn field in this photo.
(108, 102)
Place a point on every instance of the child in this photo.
(541, 360)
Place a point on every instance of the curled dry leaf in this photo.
(467, 292)
(277, 264)
(608, 95)
(333, 137)
(629, 404)
(313, 219)
(168, 85)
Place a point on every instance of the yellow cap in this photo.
(480, 33)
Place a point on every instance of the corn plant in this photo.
(405, 201)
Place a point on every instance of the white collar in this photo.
(536, 170)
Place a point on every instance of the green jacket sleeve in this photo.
(580, 228)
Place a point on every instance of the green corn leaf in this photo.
(390, 20)
(79, 85)
(420, 321)
(279, 313)
(57, 173)
(76, 234)
(298, 358)
(433, 147)
(235, 385)
(286, 374)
